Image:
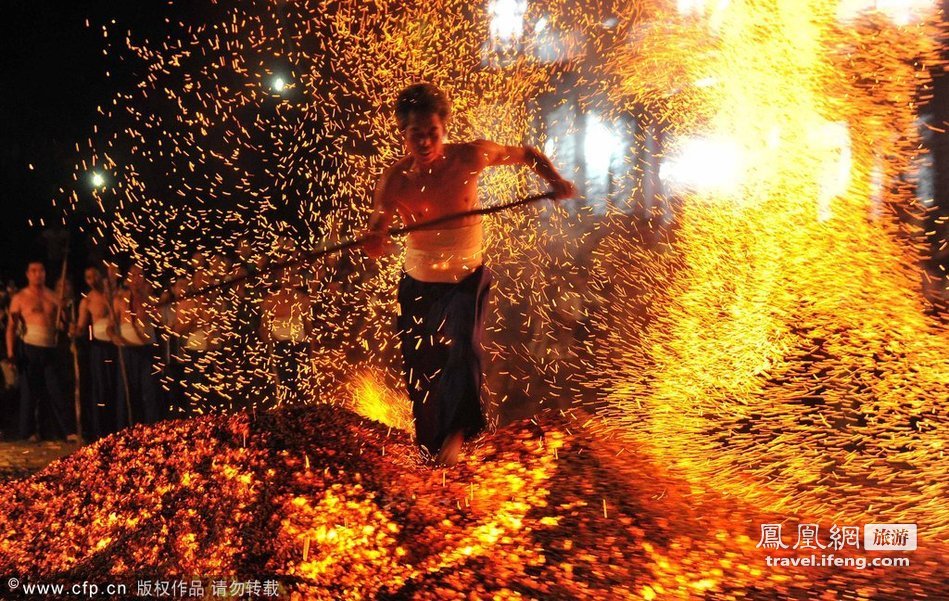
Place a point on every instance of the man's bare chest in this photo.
(36, 308)
(98, 306)
(421, 197)
(288, 304)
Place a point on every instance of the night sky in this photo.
(54, 77)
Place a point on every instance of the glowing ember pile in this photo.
(333, 506)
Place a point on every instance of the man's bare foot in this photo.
(448, 454)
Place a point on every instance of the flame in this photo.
(372, 399)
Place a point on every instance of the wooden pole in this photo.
(77, 389)
(358, 241)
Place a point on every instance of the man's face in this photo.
(180, 286)
(135, 276)
(112, 273)
(244, 249)
(92, 277)
(36, 274)
(423, 137)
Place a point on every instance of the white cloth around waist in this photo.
(39, 335)
(197, 341)
(444, 255)
(130, 334)
(288, 329)
(100, 330)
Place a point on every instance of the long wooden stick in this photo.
(357, 241)
(62, 293)
(77, 389)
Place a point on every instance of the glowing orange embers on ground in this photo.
(332, 506)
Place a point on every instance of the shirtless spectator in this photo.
(43, 411)
(286, 327)
(94, 324)
(196, 322)
(136, 336)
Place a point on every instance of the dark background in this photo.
(54, 76)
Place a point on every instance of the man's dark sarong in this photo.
(103, 367)
(143, 388)
(441, 328)
(43, 408)
(289, 361)
(200, 374)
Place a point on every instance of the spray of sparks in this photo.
(788, 357)
(206, 152)
(767, 337)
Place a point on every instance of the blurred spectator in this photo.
(31, 346)
(133, 304)
(94, 327)
(286, 328)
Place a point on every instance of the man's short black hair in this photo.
(422, 98)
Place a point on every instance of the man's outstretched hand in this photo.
(378, 244)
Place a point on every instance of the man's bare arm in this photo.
(383, 212)
(85, 316)
(56, 300)
(263, 330)
(11, 327)
(491, 154)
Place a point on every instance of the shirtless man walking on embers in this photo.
(444, 286)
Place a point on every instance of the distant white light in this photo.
(901, 12)
(279, 84)
(701, 7)
(97, 179)
(541, 25)
(831, 141)
(712, 165)
(690, 7)
(507, 19)
(600, 144)
(603, 148)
